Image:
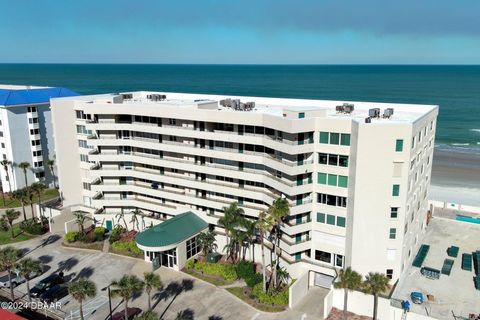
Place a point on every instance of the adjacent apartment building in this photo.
(26, 133)
(356, 174)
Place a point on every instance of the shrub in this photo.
(254, 279)
(99, 233)
(279, 298)
(245, 269)
(116, 233)
(71, 236)
(127, 247)
(226, 271)
(87, 237)
(32, 227)
(190, 264)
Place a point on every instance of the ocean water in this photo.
(456, 89)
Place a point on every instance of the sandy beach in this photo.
(456, 177)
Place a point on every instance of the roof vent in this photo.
(127, 96)
(345, 108)
(374, 112)
(156, 97)
(387, 113)
(368, 120)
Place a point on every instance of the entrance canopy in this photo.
(168, 234)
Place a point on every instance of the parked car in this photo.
(132, 312)
(55, 293)
(46, 284)
(16, 278)
(417, 297)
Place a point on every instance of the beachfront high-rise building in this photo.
(26, 133)
(356, 174)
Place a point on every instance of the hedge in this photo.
(226, 271)
(71, 236)
(273, 298)
(99, 233)
(127, 247)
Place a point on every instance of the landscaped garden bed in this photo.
(123, 242)
(25, 230)
(92, 238)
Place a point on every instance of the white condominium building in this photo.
(26, 133)
(356, 174)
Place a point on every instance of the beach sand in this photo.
(456, 177)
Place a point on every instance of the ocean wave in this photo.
(460, 144)
(475, 130)
(459, 147)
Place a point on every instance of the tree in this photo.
(6, 164)
(263, 225)
(347, 280)
(24, 166)
(38, 188)
(134, 221)
(8, 259)
(283, 276)
(51, 166)
(80, 217)
(151, 281)
(278, 211)
(121, 216)
(374, 284)
(125, 288)
(82, 289)
(10, 215)
(247, 235)
(207, 241)
(21, 196)
(231, 222)
(148, 315)
(30, 195)
(26, 268)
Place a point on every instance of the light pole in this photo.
(109, 300)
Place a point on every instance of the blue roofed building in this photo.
(26, 134)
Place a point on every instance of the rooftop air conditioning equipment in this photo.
(374, 112)
(387, 113)
(163, 96)
(348, 107)
(368, 120)
(249, 106)
(339, 109)
(127, 96)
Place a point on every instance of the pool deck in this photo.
(452, 213)
(456, 292)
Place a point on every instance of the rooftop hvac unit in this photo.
(387, 113)
(249, 106)
(156, 97)
(339, 109)
(348, 107)
(127, 96)
(374, 112)
(368, 120)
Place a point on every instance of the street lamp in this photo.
(109, 300)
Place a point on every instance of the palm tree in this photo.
(51, 166)
(247, 235)
(125, 288)
(3, 194)
(148, 315)
(263, 225)
(21, 196)
(38, 188)
(24, 166)
(30, 195)
(26, 268)
(81, 290)
(10, 215)
(134, 221)
(230, 218)
(207, 241)
(347, 280)
(121, 216)
(6, 165)
(8, 260)
(80, 217)
(375, 283)
(283, 276)
(278, 211)
(151, 281)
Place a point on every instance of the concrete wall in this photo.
(298, 290)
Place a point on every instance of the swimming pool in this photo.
(468, 219)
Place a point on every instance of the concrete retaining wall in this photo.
(298, 290)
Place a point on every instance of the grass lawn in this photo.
(19, 235)
(238, 292)
(215, 280)
(12, 203)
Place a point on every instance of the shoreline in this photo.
(456, 177)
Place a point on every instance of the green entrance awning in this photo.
(171, 232)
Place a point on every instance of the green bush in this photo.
(71, 236)
(190, 264)
(272, 298)
(127, 247)
(226, 271)
(245, 269)
(87, 237)
(32, 227)
(254, 279)
(99, 233)
(116, 233)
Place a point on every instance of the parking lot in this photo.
(181, 297)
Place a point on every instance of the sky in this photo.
(245, 32)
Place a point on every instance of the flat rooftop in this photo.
(271, 106)
(12, 95)
(455, 292)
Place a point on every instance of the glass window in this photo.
(334, 138)
(395, 190)
(393, 212)
(343, 161)
(330, 219)
(393, 233)
(338, 260)
(399, 145)
(301, 115)
(343, 181)
(341, 221)
(332, 180)
(323, 256)
(193, 247)
(320, 217)
(322, 158)
(345, 139)
(322, 178)
(389, 273)
(323, 137)
(333, 159)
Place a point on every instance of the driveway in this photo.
(181, 297)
